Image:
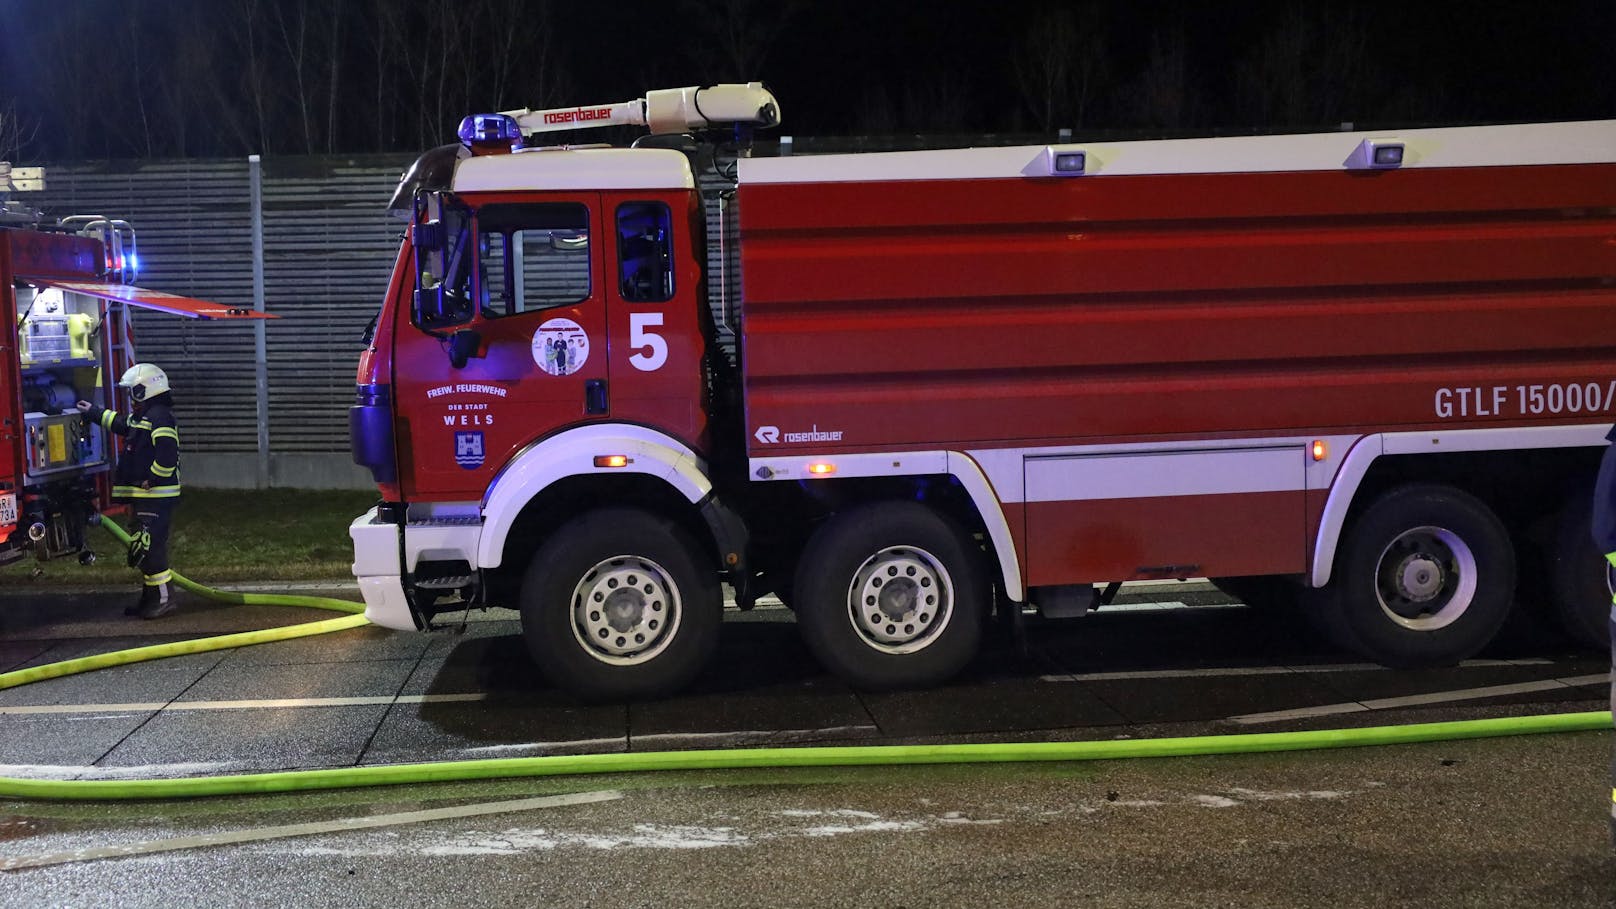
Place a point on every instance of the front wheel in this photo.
(891, 595)
(1426, 577)
(615, 605)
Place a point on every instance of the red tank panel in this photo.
(954, 313)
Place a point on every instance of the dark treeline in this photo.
(156, 78)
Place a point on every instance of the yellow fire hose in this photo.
(726, 759)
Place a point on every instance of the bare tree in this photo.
(248, 32)
(1059, 65)
(1162, 94)
(333, 55)
(1304, 71)
(16, 133)
(876, 113)
(742, 32)
(940, 103)
(293, 27)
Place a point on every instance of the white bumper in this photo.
(376, 566)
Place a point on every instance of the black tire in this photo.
(898, 644)
(662, 636)
(1425, 577)
(1579, 583)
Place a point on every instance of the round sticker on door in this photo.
(560, 347)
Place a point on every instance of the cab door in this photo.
(657, 310)
(508, 284)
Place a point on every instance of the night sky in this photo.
(154, 78)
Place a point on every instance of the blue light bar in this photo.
(492, 128)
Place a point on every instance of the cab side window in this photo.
(645, 252)
(532, 257)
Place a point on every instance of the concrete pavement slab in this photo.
(15, 654)
(816, 710)
(350, 645)
(465, 731)
(1004, 705)
(1371, 684)
(364, 678)
(243, 740)
(74, 648)
(1206, 698)
(39, 741)
(139, 683)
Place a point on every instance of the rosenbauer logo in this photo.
(581, 115)
(771, 435)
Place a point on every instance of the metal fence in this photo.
(328, 248)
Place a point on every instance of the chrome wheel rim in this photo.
(1425, 579)
(625, 610)
(900, 600)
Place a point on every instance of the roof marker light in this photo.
(1066, 163)
(1377, 154)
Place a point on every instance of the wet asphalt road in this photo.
(1505, 822)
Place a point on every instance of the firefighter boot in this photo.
(156, 601)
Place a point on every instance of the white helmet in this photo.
(144, 381)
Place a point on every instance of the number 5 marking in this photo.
(639, 338)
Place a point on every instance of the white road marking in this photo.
(246, 704)
(1236, 671)
(341, 825)
(1418, 700)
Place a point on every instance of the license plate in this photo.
(8, 508)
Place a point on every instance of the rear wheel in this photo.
(891, 595)
(1578, 575)
(615, 605)
(1425, 577)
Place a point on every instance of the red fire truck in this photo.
(65, 288)
(1367, 375)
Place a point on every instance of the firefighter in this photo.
(148, 477)
(1604, 523)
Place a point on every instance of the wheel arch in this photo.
(1508, 469)
(558, 475)
(871, 477)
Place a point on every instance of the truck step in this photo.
(446, 521)
(449, 582)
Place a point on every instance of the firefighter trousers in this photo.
(155, 517)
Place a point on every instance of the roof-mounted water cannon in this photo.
(667, 111)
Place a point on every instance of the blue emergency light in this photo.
(493, 129)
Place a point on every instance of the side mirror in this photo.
(464, 345)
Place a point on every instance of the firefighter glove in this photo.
(139, 544)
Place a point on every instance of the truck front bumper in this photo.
(376, 566)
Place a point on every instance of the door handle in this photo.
(595, 396)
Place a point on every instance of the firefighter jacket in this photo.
(150, 465)
(1605, 501)
(1604, 526)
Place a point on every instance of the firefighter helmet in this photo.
(144, 381)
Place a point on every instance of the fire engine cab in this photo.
(65, 289)
(1364, 375)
